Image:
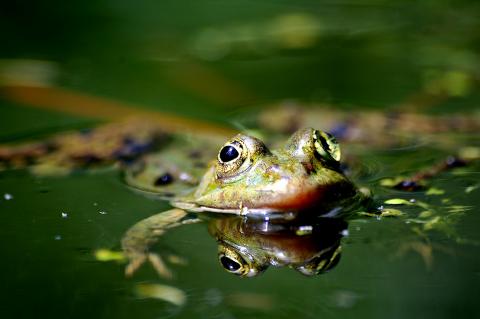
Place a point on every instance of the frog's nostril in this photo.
(228, 153)
(229, 264)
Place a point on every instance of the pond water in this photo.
(51, 227)
(70, 65)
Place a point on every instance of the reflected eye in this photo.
(228, 153)
(326, 146)
(231, 265)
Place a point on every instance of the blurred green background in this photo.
(207, 59)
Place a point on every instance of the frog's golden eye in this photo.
(229, 153)
(238, 267)
(237, 156)
(326, 146)
(230, 159)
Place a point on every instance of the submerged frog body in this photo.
(301, 178)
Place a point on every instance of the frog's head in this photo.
(301, 175)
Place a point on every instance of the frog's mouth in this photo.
(263, 213)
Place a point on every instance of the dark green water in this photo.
(49, 268)
(213, 61)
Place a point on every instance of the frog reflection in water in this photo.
(299, 180)
(247, 247)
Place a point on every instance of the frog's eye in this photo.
(326, 146)
(229, 153)
(243, 265)
(237, 156)
(230, 159)
(234, 266)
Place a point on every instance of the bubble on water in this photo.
(102, 212)
(64, 215)
(57, 237)
(7, 196)
(344, 233)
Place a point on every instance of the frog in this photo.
(301, 179)
(176, 168)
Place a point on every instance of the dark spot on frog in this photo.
(49, 147)
(409, 186)
(453, 162)
(199, 165)
(128, 140)
(164, 179)
(87, 160)
(30, 160)
(195, 154)
(85, 131)
(340, 130)
(131, 149)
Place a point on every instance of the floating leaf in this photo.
(432, 223)
(422, 205)
(368, 214)
(425, 214)
(470, 153)
(435, 191)
(415, 221)
(458, 208)
(388, 182)
(391, 212)
(162, 292)
(470, 189)
(109, 255)
(397, 201)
